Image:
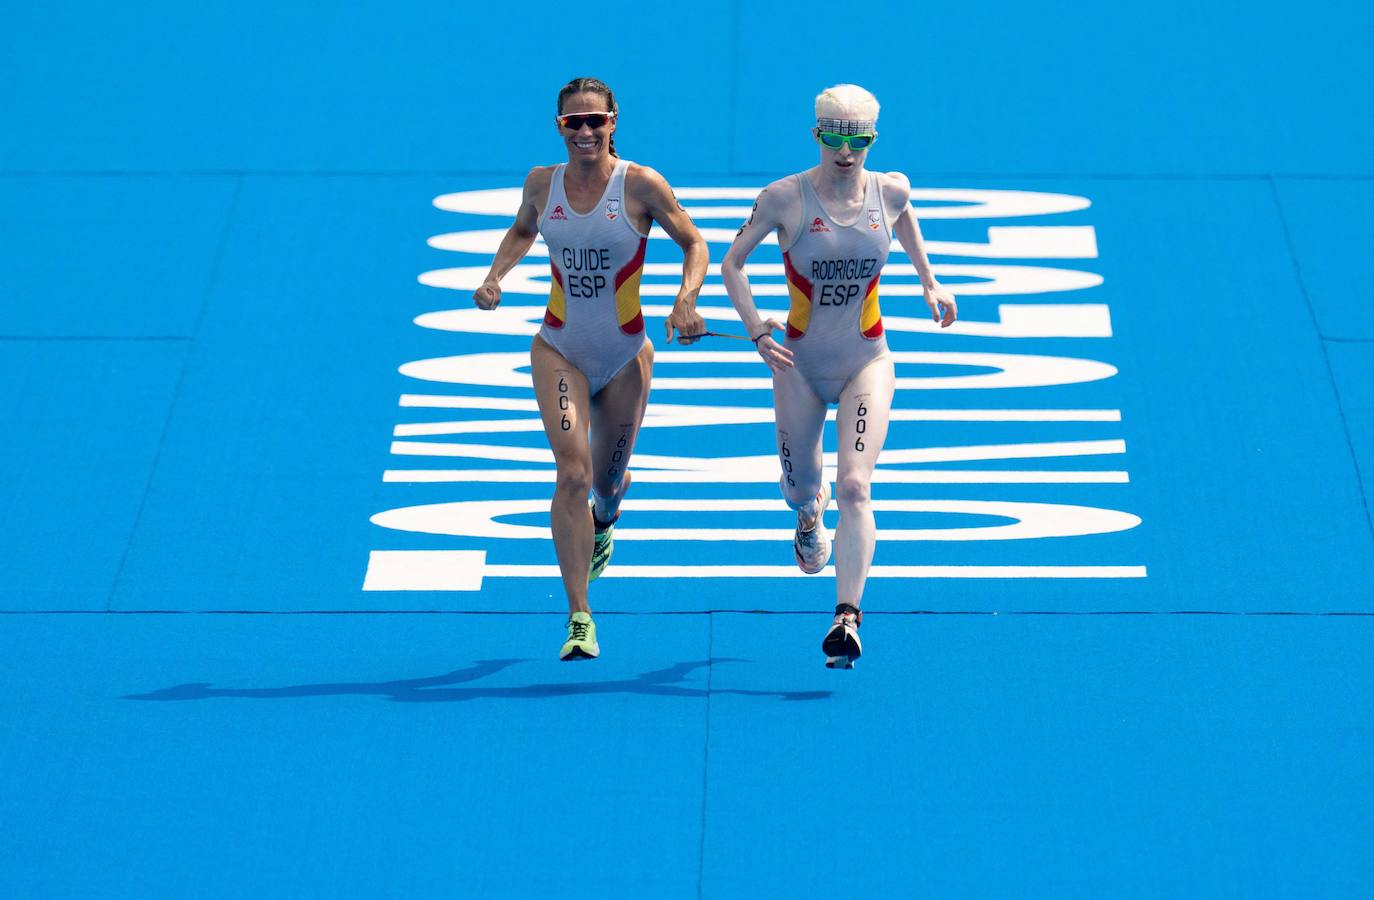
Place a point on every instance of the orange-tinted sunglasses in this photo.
(575, 121)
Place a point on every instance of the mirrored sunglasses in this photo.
(835, 141)
(575, 121)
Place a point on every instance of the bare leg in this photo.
(617, 412)
(861, 423)
(800, 420)
(564, 407)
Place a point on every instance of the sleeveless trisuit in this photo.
(834, 326)
(593, 317)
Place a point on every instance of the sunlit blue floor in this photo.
(223, 228)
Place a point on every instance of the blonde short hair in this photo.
(846, 101)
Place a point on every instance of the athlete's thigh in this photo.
(800, 417)
(861, 422)
(564, 403)
(617, 413)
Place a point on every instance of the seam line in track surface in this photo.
(520, 173)
(93, 337)
(1321, 345)
(734, 101)
(706, 752)
(210, 284)
(1276, 613)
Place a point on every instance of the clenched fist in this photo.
(488, 296)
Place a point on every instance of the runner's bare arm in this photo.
(773, 210)
(657, 196)
(519, 237)
(897, 191)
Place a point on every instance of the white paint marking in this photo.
(464, 570)
(727, 465)
(451, 401)
(974, 204)
(1015, 320)
(713, 414)
(663, 415)
(1008, 242)
(1013, 370)
(425, 570)
(665, 476)
(481, 519)
(534, 279)
(518, 571)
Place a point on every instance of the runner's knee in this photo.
(801, 492)
(852, 491)
(575, 478)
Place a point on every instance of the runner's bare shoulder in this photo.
(779, 199)
(896, 188)
(535, 193)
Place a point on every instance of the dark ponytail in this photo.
(590, 86)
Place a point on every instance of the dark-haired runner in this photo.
(591, 360)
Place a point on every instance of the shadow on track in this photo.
(439, 688)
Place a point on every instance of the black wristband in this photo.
(759, 338)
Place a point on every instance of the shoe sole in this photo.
(829, 547)
(802, 565)
(840, 649)
(577, 653)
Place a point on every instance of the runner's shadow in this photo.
(668, 682)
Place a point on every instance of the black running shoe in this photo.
(841, 645)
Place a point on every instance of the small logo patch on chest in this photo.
(875, 219)
(612, 210)
(819, 225)
(558, 214)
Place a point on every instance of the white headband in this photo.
(846, 126)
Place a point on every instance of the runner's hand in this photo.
(943, 309)
(774, 354)
(688, 323)
(488, 296)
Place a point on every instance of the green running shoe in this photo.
(603, 544)
(581, 642)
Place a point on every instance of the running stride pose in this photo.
(591, 360)
(833, 226)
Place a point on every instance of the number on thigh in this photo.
(862, 419)
(564, 400)
(800, 420)
(617, 413)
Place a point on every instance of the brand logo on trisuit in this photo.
(558, 214)
(875, 219)
(819, 225)
(612, 209)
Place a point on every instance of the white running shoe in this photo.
(841, 645)
(811, 548)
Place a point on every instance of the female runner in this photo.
(835, 223)
(591, 360)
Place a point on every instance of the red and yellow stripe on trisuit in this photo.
(799, 315)
(627, 293)
(557, 311)
(799, 289)
(871, 317)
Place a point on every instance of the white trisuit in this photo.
(839, 353)
(597, 258)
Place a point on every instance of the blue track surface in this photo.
(223, 422)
